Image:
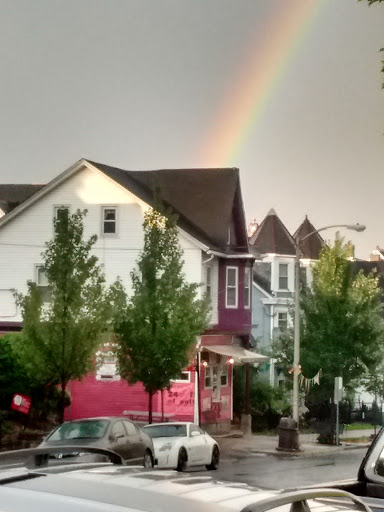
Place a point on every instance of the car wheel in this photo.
(182, 460)
(215, 459)
(148, 460)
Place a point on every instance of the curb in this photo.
(306, 451)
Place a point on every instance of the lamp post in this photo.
(296, 347)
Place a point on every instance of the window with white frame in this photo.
(282, 319)
(42, 282)
(61, 211)
(109, 220)
(208, 281)
(247, 287)
(183, 377)
(231, 287)
(283, 276)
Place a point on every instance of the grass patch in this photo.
(360, 426)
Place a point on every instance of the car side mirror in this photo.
(195, 433)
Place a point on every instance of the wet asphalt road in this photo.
(277, 472)
(268, 471)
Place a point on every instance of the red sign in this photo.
(21, 403)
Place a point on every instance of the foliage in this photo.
(61, 335)
(268, 404)
(373, 381)
(13, 378)
(375, 415)
(359, 426)
(342, 328)
(282, 350)
(158, 328)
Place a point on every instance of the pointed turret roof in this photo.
(272, 237)
(311, 246)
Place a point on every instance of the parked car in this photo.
(369, 483)
(181, 445)
(117, 434)
(115, 487)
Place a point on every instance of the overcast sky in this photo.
(149, 84)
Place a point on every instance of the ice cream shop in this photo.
(203, 393)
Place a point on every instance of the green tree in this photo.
(373, 382)
(13, 377)
(158, 328)
(62, 333)
(342, 327)
(268, 404)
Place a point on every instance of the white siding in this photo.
(214, 264)
(22, 239)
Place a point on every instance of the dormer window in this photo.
(231, 287)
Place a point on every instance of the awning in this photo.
(239, 354)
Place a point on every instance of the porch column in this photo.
(247, 404)
(246, 418)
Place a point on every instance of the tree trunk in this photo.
(162, 405)
(62, 401)
(150, 395)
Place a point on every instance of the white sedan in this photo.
(180, 445)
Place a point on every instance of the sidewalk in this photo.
(236, 445)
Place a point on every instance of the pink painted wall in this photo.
(91, 397)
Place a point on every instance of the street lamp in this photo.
(296, 349)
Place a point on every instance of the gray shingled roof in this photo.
(272, 237)
(311, 246)
(13, 194)
(205, 200)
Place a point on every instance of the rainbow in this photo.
(267, 59)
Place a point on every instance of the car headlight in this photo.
(166, 447)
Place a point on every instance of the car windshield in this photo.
(167, 431)
(80, 430)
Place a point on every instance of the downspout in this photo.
(209, 259)
(271, 363)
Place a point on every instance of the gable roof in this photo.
(208, 202)
(272, 237)
(13, 194)
(311, 246)
(205, 200)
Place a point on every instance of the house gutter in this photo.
(231, 256)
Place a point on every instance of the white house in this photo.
(212, 235)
